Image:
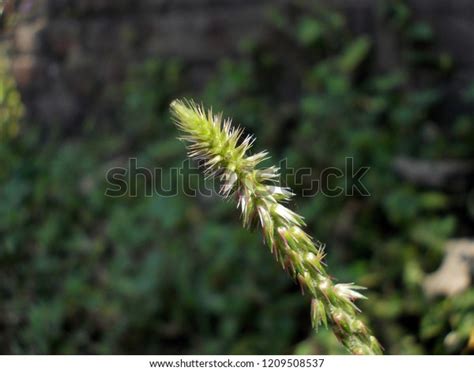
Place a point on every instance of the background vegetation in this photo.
(84, 273)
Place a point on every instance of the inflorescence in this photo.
(224, 151)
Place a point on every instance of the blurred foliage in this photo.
(84, 273)
(11, 108)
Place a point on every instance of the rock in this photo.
(27, 36)
(454, 275)
(113, 35)
(61, 36)
(451, 174)
(24, 68)
(58, 105)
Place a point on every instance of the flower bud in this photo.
(318, 313)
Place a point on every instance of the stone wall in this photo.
(70, 54)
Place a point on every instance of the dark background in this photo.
(85, 85)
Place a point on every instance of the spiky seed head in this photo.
(223, 149)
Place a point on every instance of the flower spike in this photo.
(224, 150)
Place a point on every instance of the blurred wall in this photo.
(70, 56)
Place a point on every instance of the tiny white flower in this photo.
(229, 179)
(286, 214)
(349, 291)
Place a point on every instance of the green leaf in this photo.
(309, 31)
(355, 54)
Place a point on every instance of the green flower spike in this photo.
(224, 152)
